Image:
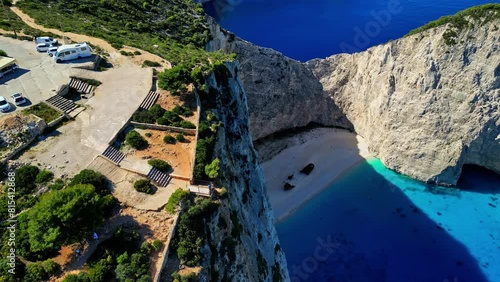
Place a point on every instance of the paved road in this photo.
(38, 76)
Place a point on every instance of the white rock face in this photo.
(425, 108)
(282, 93)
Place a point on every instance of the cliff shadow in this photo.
(365, 227)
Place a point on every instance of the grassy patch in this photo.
(43, 111)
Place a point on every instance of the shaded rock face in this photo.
(425, 108)
(242, 244)
(282, 93)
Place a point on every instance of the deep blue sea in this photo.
(307, 29)
(376, 225)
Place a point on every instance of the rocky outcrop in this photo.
(282, 93)
(242, 243)
(425, 107)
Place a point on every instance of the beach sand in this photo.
(332, 151)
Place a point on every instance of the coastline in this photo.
(334, 152)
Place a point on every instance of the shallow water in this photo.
(307, 29)
(376, 225)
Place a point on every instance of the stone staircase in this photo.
(80, 86)
(61, 103)
(160, 178)
(149, 101)
(113, 155)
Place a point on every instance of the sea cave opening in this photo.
(479, 179)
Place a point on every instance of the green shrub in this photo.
(157, 111)
(25, 178)
(94, 178)
(44, 176)
(163, 121)
(57, 185)
(212, 169)
(172, 117)
(199, 171)
(35, 273)
(144, 186)
(117, 46)
(175, 199)
(134, 139)
(158, 245)
(180, 137)
(137, 53)
(146, 248)
(183, 111)
(169, 139)
(50, 267)
(143, 117)
(160, 165)
(152, 64)
(148, 134)
(3, 53)
(175, 79)
(187, 124)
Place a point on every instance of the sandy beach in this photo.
(332, 151)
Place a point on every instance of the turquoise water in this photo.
(376, 225)
(307, 29)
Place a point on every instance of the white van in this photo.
(72, 51)
(45, 39)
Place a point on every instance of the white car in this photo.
(18, 99)
(45, 39)
(43, 47)
(52, 50)
(4, 105)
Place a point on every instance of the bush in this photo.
(35, 273)
(157, 111)
(151, 64)
(174, 79)
(143, 117)
(25, 178)
(94, 178)
(134, 139)
(137, 53)
(169, 139)
(199, 171)
(146, 248)
(148, 134)
(160, 165)
(3, 53)
(50, 267)
(175, 199)
(180, 137)
(187, 124)
(144, 186)
(163, 121)
(157, 245)
(44, 176)
(57, 185)
(183, 111)
(212, 169)
(172, 117)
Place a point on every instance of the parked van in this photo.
(45, 39)
(7, 65)
(72, 51)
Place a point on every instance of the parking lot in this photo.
(38, 76)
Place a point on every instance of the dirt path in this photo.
(103, 44)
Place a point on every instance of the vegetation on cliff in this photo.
(479, 14)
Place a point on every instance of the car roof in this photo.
(17, 95)
(2, 98)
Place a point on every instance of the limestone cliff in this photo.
(426, 104)
(242, 243)
(282, 93)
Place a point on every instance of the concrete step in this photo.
(159, 177)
